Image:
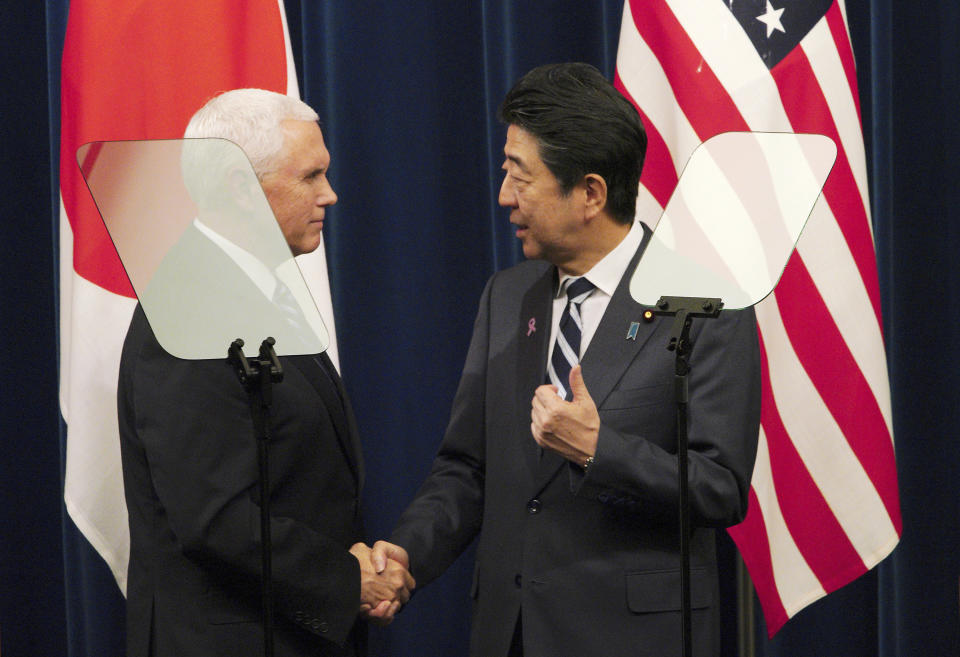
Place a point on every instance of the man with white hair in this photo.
(190, 459)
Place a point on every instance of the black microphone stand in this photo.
(257, 375)
(684, 309)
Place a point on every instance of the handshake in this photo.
(385, 580)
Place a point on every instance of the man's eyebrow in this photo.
(516, 160)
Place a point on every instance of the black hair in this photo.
(582, 125)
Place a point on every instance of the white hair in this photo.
(251, 118)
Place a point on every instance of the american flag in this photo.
(137, 69)
(824, 507)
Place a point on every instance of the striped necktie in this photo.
(566, 350)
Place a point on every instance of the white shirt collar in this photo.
(607, 273)
(253, 267)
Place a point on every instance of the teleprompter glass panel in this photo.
(734, 218)
(201, 246)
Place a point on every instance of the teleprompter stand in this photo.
(683, 310)
(257, 375)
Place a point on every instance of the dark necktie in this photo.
(566, 350)
(289, 309)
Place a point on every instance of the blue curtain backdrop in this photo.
(407, 96)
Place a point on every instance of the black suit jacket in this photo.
(593, 559)
(190, 477)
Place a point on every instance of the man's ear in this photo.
(595, 201)
(238, 181)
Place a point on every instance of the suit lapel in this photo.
(321, 374)
(610, 352)
(351, 440)
(536, 312)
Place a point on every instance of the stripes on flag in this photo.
(823, 504)
(137, 69)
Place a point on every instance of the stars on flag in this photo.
(776, 32)
(772, 19)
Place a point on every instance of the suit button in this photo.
(322, 627)
(518, 580)
(533, 506)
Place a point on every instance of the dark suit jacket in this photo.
(190, 476)
(592, 560)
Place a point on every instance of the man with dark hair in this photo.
(572, 484)
(565, 107)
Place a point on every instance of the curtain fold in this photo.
(916, 93)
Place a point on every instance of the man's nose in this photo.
(507, 198)
(327, 196)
